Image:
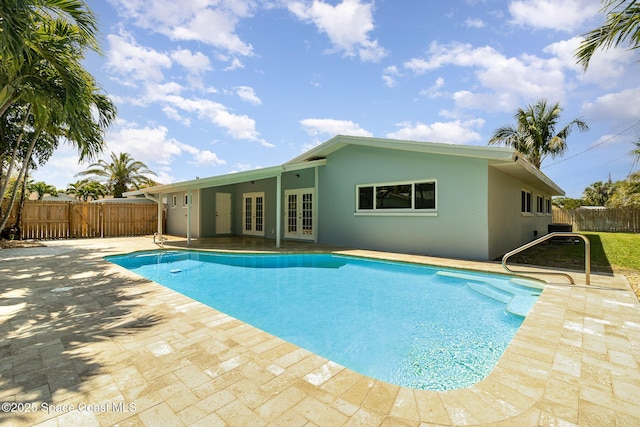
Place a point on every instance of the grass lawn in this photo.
(610, 253)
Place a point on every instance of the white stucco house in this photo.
(474, 202)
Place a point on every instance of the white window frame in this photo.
(412, 211)
(548, 210)
(185, 200)
(174, 201)
(539, 204)
(527, 210)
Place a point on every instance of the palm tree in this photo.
(87, 189)
(622, 25)
(599, 193)
(122, 173)
(43, 188)
(636, 153)
(26, 28)
(41, 76)
(534, 135)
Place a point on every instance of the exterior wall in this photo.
(177, 215)
(459, 230)
(509, 228)
(268, 186)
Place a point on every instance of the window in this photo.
(539, 204)
(185, 201)
(547, 203)
(525, 201)
(174, 201)
(392, 197)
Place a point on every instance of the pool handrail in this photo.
(587, 255)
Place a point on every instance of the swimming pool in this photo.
(411, 325)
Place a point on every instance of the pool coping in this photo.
(574, 361)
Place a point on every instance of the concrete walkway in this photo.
(87, 343)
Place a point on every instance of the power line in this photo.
(593, 146)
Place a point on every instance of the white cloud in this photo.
(206, 158)
(347, 25)
(504, 82)
(434, 91)
(333, 127)
(129, 59)
(455, 132)
(389, 75)
(619, 107)
(247, 93)
(195, 63)
(151, 145)
(559, 15)
(210, 22)
(474, 23)
(237, 126)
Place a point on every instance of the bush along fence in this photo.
(614, 219)
(45, 220)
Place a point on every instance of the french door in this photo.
(299, 214)
(253, 214)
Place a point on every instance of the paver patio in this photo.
(85, 342)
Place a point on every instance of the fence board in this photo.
(612, 220)
(46, 220)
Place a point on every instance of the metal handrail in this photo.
(162, 239)
(587, 255)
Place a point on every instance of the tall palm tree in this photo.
(622, 24)
(122, 173)
(26, 28)
(41, 75)
(534, 134)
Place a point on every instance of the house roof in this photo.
(506, 160)
(227, 179)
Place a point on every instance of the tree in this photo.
(43, 83)
(636, 152)
(622, 25)
(87, 189)
(534, 134)
(26, 28)
(599, 193)
(119, 175)
(43, 188)
(627, 192)
(567, 203)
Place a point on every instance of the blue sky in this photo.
(207, 87)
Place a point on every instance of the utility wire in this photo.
(593, 146)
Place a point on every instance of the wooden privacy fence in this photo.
(46, 220)
(614, 219)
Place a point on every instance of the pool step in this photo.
(518, 294)
(488, 290)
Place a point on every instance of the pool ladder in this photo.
(587, 255)
(161, 239)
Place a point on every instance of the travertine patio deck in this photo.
(85, 342)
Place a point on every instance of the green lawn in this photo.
(610, 253)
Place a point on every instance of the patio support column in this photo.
(315, 205)
(160, 214)
(189, 217)
(278, 207)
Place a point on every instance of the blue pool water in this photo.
(411, 325)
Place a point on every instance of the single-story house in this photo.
(474, 202)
